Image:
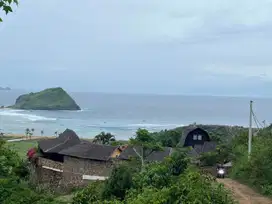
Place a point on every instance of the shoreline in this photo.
(19, 136)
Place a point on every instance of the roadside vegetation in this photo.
(256, 171)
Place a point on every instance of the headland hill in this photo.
(48, 99)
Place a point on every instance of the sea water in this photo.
(123, 114)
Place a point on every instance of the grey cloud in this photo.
(139, 46)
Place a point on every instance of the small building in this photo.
(198, 139)
(155, 156)
(192, 136)
(67, 161)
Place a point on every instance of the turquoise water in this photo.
(123, 114)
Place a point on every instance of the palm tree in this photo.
(32, 132)
(27, 131)
(56, 133)
(104, 138)
(42, 132)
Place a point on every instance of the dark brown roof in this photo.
(209, 146)
(65, 140)
(154, 156)
(193, 153)
(89, 150)
(199, 149)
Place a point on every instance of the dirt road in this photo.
(244, 194)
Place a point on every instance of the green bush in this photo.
(119, 182)
(190, 187)
(90, 194)
(13, 191)
(256, 172)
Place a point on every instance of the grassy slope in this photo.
(22, 146)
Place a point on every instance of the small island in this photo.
(5, 88)
(48, 99)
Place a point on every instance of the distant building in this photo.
(67, 161)
(198, 139)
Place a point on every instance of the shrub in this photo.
(119, 182)
(90, 194)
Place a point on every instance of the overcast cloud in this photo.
(171, 47)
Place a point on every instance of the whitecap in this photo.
(151, 125)
(19, 113)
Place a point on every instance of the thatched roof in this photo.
(65, 140)
(154, 156)
(89, 150)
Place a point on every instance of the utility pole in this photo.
(250, 130)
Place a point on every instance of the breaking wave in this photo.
(21, 114)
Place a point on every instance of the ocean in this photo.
(123, 114)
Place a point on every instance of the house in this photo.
(67, 161)
(50, 148)
(198, 139)
(158, 156)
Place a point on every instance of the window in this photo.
(199, 137)
(195, 137)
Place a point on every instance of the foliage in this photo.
(167, 182)
(48, 99)
(104, 138)
(256, 171)
(119, 182)
(90, 194)
(5, 5)
(14, 172)
(177, 163)
(186, 188)
(147, 144)
(13, 191)
(168, 138)
(9, 160)
(220, 133)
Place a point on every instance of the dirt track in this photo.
(244, 194)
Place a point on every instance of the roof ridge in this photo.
(57, 145)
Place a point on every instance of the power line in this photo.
(257, 122)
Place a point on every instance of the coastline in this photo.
(21, 136)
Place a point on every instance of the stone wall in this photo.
(49, 163)
(75, 168)
(47, 172)
(69, 174)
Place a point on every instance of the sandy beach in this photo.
(18, 136)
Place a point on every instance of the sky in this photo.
(163, 47)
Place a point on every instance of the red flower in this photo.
(31, 153)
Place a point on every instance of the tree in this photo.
(27, 132)
(168, 138)
(5, 5)
(9, 160)
(118, 183)
(144, 145)
(104, 138)
(42, 132)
